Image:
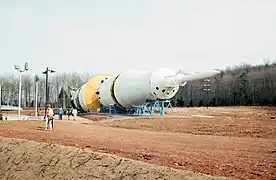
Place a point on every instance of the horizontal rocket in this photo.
(132, 88)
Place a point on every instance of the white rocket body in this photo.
(105, 97)
(80, 99)
(132, 88)
(128, 89)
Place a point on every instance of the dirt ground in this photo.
(97, 117)
(237, 142)
(238, 122)
(19, 157)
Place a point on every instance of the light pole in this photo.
(1, 115)
(207, 88)
(36, 93)
(1, 93)
(46, 72)
(0, 97)
(26, 68)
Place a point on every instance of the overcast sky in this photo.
(109, 36)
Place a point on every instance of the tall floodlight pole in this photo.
(46, 72)
(1, 89)
(36, 93)
(1, 117)
(207, 88)
(1, 93)
(0, 98)
(26, 68)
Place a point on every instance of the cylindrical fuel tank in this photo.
(104, 96)
(131, 88)
(86, 98)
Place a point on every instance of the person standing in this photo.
(60, 113)
(74, 113)
(49, 119)
(69, 112)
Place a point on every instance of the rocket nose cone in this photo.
(215, 71)
(211, 73)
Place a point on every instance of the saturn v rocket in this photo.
(131, 88)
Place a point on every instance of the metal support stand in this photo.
(153, 104)
(139, 110)
(111, 108)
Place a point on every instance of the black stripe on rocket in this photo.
(73, 104)
(112, 93)
(78, 101)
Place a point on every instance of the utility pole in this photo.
(46, 72)
(1, 115)
(36, 93)
(0, 97)
(57, 89)
(207, 88)
(1, 93)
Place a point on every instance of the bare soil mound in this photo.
(22, 159)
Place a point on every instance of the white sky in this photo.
(108, 36)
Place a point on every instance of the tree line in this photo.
(243, 84)
(56, 82)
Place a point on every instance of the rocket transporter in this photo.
(132, 88)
